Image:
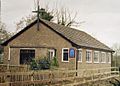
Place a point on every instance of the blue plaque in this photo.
(71, 53)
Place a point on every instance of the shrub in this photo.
(33, 65)
(54, 62)
(44, 64)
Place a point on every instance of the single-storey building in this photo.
(74, 49)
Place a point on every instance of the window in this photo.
(51, 54)
(26, 55)
(88, 56)
(65, 54)
(96, 56)
(79, 55)
(108, 58)
(103, 57)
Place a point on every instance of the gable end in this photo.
(29, 26)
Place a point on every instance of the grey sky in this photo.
(102, 17)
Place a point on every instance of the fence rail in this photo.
(13, 68)
(63, 77)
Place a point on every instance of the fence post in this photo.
(84, 80)
(117, 70)
(7, 79)
(32, 76)
(92, 76)
(8, 67)
(50, 78)
(8, 74)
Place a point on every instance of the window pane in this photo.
(65, 54)
(103, 57)
(88, 56)
(96, 56)
(65, 57)
(65, 50)
(79, 55)
(26, 56)
(108, 57)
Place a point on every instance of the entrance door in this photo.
(26, 55)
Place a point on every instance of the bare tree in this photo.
(4, 34)
(116, 48)
(62, 17)
(116, 59)
(24, 22)
(44, 14)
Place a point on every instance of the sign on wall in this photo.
(72, 53)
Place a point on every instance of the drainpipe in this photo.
(76, 62)
(8, 66)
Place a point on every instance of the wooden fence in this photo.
(56, 77)
(13, 68)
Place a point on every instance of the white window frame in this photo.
(90, 55)
(109, 54)
(104, 57)
(27, 48)
(62, 54)
(52, 50)
(97, 57)
(81, 55)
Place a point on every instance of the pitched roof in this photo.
(77, 37)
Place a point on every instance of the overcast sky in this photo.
(102, 17)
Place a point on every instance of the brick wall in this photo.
(42, 40)
(36, 39)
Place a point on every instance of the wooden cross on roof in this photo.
(38, 11)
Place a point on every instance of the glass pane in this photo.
(26, 56)
(103, 57)
(96, 57)
(65, 50)
(88, 56)
(79, 55)
(65, 57)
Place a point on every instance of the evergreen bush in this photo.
(43, 63)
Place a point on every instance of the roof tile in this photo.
(78, 37)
